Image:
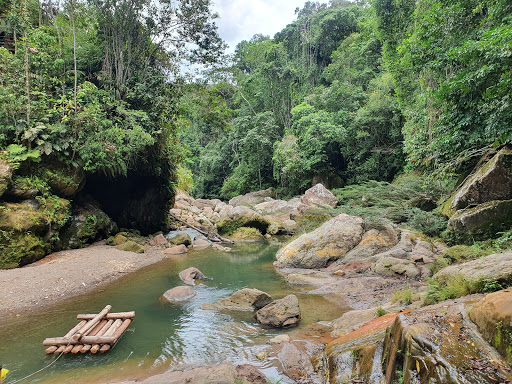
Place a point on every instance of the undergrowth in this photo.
(407, 201)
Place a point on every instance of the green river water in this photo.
(163, 337)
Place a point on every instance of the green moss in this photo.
(460, 253)
(247, 234)
(18, 249)
(131, 246)
(228, 227)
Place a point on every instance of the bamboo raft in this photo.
(94, 333)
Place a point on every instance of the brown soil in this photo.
(66, 274)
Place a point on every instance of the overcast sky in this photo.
(242, 19)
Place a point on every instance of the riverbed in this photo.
(163, 337)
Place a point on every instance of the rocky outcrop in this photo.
(495, 268)
(87, 224)
(232, 218)
(246, 299)
(280, 313)
(482, 205)
(253, 198)
(492, 181)
(390, 266)
(351, 320)
(6, 170)
(225, 373)
(328, 243)
(190, 275)
(178, 295)
(493, 316)
(425, 345)
(181, 238)
(28, 229)
(319, 196)
(482, 221)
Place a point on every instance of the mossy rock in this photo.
(229, 226)
(6, 170)
(120, 239)
(247, 234)
(110, 241)
(18, 249)
(63, 180)
(181, 238)
(88, 223)
(26, 187)
(131, 246)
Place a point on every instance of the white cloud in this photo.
(242, 19)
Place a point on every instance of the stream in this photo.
(163, 336)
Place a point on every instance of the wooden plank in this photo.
(108, 316)
(92, 323)
(50, 350)
(122, 329)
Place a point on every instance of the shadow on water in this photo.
(163, 336)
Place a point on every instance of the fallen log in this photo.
(92, 323)
(108, 316)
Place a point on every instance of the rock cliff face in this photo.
(482, 205)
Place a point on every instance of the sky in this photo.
(242, 19)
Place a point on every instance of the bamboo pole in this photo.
(50, 350)
(108, 316)
(122, 329)
(77, 348)
(92, 323)
(76, 328)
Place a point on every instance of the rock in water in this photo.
(247, 299)
(178, 250)
(181, 238)
(190, 275)
(319, 195)
(329, 242)
(280, 313)
(179, 294)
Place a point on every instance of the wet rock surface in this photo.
(190, 275)
(178, 295)
(247, 299)
(329, 242)
(280, 313)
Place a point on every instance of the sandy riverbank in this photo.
(66, 274)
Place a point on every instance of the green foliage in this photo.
(380, 312)
(404, 296)
(19, 153)
(382, 202)
(460, 253)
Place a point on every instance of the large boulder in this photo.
(247, 234)
(252, 198)
(232, 218)
(497, 267)
(493, 316)
(87, 223)
(492, 181)
(6, 170)
(181, 238)
(329, 242)
(28, 229)
(190, 275)
(320, 196)
(158, 240)
(482, 221)
(131, 246)
(23, 188)
(390, 266)
(372, 243)
(177, 250)
(351, 320)
(178, 295)
(280, 313)
(247, 299)
(63, 180)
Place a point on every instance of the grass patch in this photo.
(460, 253)
(405, 296)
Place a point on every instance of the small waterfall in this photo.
(376, 375)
